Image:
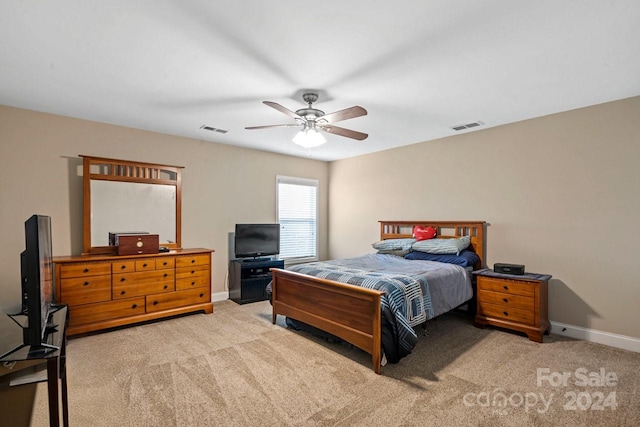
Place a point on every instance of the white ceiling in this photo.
(419, 67)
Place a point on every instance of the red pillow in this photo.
(424, 233)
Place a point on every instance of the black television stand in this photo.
(248, 278)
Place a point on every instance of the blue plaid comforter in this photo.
(406, 301)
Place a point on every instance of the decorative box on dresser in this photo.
(105, 291)
(516, 302)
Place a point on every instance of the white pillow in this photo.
(394, 244)
(442, 246)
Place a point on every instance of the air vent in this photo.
(212, 129)
(467, 126)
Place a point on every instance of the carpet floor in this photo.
(234, 368)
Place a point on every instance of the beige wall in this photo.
(222, 185)
(561, 194)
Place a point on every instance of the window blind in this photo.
(297, 200)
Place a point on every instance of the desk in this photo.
(26, 365)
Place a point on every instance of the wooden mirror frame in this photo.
(99, 168)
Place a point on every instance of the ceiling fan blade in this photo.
(273, 126)
(282, 109)
(343, 132)
(347, 113)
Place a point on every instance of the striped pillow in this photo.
(442, 246)
(394, 244)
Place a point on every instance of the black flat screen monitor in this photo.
(37, 278)
(255, 240)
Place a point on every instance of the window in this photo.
(297, 201)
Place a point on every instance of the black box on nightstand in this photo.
(508, 268)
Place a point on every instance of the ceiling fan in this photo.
(313, 120)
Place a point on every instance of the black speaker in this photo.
(508, 268)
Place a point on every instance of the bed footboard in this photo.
(349, 312)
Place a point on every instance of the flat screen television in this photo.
(37, 278)
(256, 240)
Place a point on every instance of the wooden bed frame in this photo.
(351, 312)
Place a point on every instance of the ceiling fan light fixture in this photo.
(309, 138)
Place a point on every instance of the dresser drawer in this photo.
(102, 311)
(186, 261)
(194, 281)
(137, 284)
(142, 278)
(83, 270)
(177, 299)
(165, 262)
(196, 270)
(85, 290)
(145, 264)
(506, 285)
(506, 313)
(507, 300)
(123, 266)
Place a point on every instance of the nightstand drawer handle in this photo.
(85, 284)
(506, 288)
(505, 313)
(505, 300)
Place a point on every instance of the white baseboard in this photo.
(219, 296)
(600, 337)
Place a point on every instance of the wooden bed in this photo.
(351, 312)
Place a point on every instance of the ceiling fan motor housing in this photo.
(310, 98)
(313, 119)
(310, 113)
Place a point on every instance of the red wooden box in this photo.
(137, 244)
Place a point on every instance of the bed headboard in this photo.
(445, 229)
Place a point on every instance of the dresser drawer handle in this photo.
(86, 270)
(134, 306)
(201, 295)
(506, 288)
(166, 287)
(505, 313)
(165, 263)
(123, 267)
(165, 274)
(193, 272)
(192, 261)
(155, 303)
(505, 300)
(122, 279)
(85, 284)
(122, 292)
(144, 265)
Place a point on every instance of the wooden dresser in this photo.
(517, 302)
(104, 291)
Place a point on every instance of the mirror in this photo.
(121, 196)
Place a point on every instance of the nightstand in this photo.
(516, 302)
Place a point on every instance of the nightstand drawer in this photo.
(507, 300)
(506, 285)
(506, 313)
